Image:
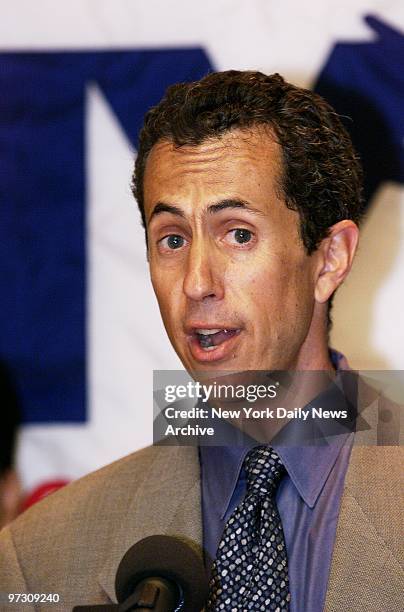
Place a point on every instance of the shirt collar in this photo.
(308, 466)
(222, 463)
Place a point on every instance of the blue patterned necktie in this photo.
(251, 570)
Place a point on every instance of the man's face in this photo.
(233, 281)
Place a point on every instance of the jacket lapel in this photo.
(167, 502)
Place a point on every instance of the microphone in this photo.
(159, 573)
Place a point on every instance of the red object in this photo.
(41, 491)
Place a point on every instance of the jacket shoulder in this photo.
(68, 530)
(102, 485)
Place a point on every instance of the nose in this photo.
(202, 276)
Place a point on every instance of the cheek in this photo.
(298, 299)
(159, 282)
(282, 294)
(167, 296)
(241, 278)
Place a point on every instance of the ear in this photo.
(336, 253)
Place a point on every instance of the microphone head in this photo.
(174, 559)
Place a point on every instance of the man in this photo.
(10, 488)
(250, 195)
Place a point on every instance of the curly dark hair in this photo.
(322, 176)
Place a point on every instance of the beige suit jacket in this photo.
(72, 542)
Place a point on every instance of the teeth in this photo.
(208, 332)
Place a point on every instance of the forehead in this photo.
(242, 163)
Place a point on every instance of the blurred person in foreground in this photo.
(10, 488)
(250, 194)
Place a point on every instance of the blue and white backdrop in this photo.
(80, 328)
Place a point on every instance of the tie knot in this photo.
(264, 471)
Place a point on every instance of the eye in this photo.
(241, 235)
(172, 242)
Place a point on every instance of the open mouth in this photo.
(209, 339)
(210, 343)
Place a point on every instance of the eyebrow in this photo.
(162, 207)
